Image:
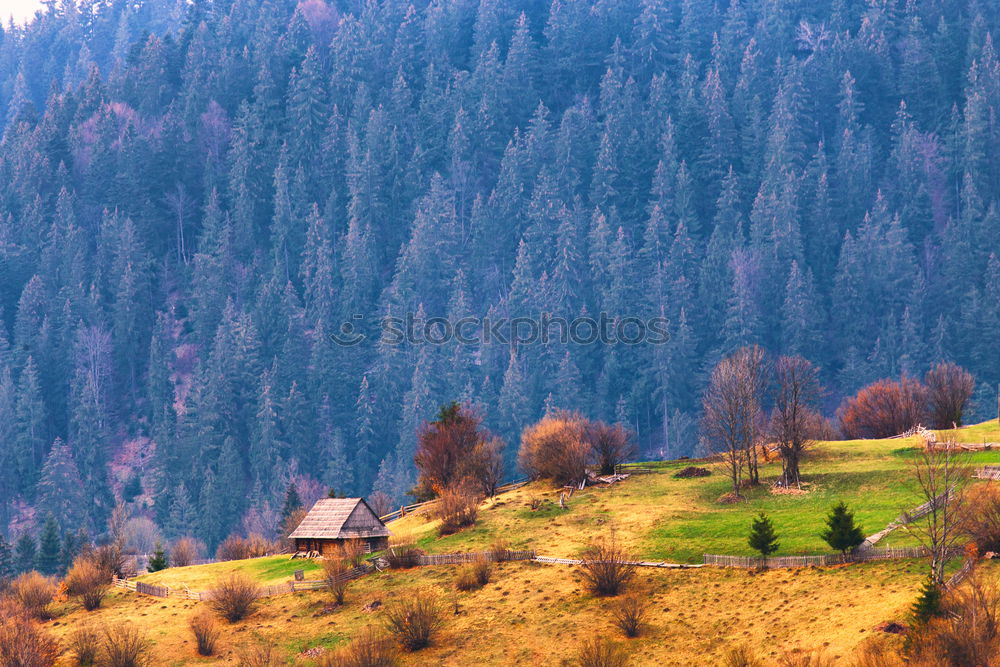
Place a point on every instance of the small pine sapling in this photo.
(159, 561)
(928, 603)
(841, 533)
(762, 536)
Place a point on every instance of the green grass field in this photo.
(269, 570)
(665, 518)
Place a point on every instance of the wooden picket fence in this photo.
(988, 472)
(861, 556)
(469, 557)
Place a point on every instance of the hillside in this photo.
(696, 613)
(215, 217)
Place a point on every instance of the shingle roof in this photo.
(340, 518)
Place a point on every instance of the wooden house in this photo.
(333, 521)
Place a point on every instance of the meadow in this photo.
(695, 614)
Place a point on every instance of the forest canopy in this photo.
(197, 195)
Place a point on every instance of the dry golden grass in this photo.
(694, 615)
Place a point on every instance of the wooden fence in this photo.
(453, 559)
(636, 563)
(903, 519)
(988, 472)
(889, 553)
(417, 507)
(265, 591)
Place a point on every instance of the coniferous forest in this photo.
(196, 197)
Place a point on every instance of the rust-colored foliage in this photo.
(455, 449)
(87, 581)
(457, 508)
(884, 409)
(23, 641)
(33, 593)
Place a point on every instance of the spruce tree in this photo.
(7, 565)
(841, 533)
(762, 538)
(25, 552)
(292, 502)
(49, 546)
(928, 603)
(159, 560)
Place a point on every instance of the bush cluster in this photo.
(235, 597)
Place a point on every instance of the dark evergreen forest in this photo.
(195, 195)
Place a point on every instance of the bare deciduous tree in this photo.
(733, 417)
(612, 444)
(941, 474)
(949, 388)
(793, 420)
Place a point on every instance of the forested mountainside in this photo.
(196, 196)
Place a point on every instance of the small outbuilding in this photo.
(333, 521)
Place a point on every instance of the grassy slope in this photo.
(664, 518)
(697, 614)
(271, 570)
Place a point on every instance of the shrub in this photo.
(367, 650)
(85, 644)
(629, 614)
(413, 621)
(500, 550)
(87, 581)
(482, 569)
(111, 559)
(981, 519)
(236, 547)
(601, 653)
(606, 567)
(206, 631)
(352, 552)
(185, 551)
(883, 409)
(741, 656)
(258, 655)
(124, 645)
(804, 659)
(474, 576)
(335, 573)
(928, 603)
(402, 554)
(23, 642)
(556, 448)
(235, 597)
(611, 444)
(33, 593)
(876, 652)
(949, 388)
(160, 559)
(967, 631)
(466, 580)
(457, 508)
